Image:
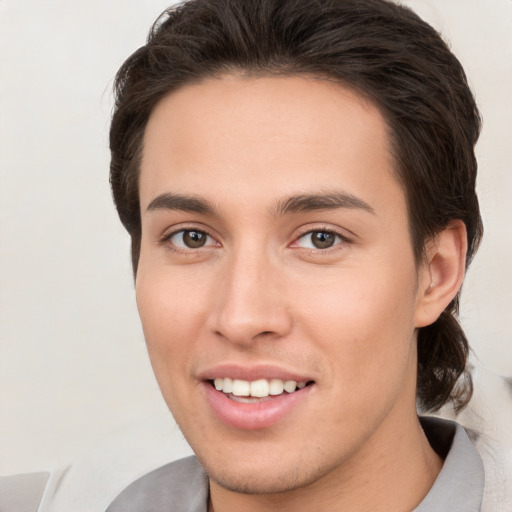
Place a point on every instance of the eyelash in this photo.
(342, 240)
(166, 241)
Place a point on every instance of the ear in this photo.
(442, 273)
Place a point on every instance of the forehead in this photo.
(239, 136)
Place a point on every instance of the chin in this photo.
(272, 477)
(257, 484)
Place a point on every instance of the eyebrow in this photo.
(301, 203)
(312, 202)
(169, 201)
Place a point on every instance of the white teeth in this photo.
(257, 388)
(290, 386)
(241, 387)
(276, 387)
(246, 399)
(227, 387)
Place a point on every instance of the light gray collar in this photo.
(459, 486)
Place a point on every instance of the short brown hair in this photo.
(376, 47)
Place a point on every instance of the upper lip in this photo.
(252, 372)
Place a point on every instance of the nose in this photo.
(251, 302)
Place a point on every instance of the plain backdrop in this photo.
(73, 364)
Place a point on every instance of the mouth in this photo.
(256, 391)
(258, 403)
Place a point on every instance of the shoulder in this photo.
(22, 492)
(183, 484)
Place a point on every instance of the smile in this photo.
(240, 390)
(257, 403)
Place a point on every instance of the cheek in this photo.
(170, 317)
(363, 323)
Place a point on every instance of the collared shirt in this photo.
(182, 486)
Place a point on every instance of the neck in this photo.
(393, 471)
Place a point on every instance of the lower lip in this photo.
(256, 415)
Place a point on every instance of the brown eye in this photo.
(191, 239)
(322, 239)
(194, 239)
(319, 240)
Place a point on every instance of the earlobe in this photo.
(442, 273)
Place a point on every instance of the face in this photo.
(277, 285)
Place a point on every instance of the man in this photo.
(298, 180)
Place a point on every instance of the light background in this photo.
(73, 365)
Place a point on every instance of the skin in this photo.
(258, 292)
